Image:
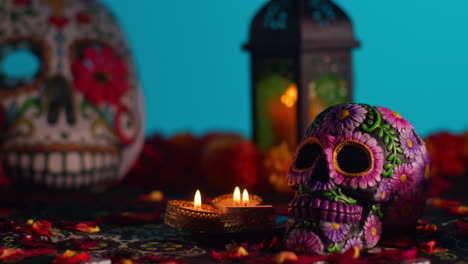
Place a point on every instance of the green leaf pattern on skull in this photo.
(389, 135)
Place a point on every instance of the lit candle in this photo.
(245, 197)
(197, 204)
(244, 205)
(236, 198)
(197, 200)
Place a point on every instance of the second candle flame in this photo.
(245, 198)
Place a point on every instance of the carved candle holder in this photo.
(219, 217)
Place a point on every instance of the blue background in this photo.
(413, 59)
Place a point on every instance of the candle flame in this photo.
(289, 97)
(236, 196)
(245, 197)
(197, 200)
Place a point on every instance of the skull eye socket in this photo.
(352, 158)
(22, 65)
(307, 154)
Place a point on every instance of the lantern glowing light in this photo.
(289, 97)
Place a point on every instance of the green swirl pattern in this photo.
(389, 136)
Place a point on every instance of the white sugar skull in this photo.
(360, 172)
(76, 120)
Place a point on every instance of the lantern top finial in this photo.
(293, 24)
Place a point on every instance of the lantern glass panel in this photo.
(327, 82)
(275, 102)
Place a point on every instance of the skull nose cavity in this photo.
(59, 96)
(307, 154)
(321, 172)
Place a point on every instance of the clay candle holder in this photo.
(224, 215)
(233, 204)
(194, 216)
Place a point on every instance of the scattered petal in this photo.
(285, 256)
(232, 253)
(10, 254)
(154, 196)
(459, 211)
(71, 257)
(430, 247)
(30, 241)
(86, 226)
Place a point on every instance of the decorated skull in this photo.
(75, 119)
(359, 173)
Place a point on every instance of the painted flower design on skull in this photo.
(351, 243)
(348, 116)
(336, 232)
(394, 119)
(101, 75)
(302, 241)
(372, 231)
(409, 143)
(355, 159)
(384, 191)
(423, 165)
(403, 178)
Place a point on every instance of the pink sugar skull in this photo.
(77, 120)
(360, 172)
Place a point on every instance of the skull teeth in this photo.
(62, 169)
(316, 208)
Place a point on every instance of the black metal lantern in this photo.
(300, 64)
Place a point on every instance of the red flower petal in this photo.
(7, 254)
(236, 252)
(113, 82)
(154, 196)
(120, 69)
(86, 226)
(30, 241)
(58, 22)
(108, 55)
(93, 54)
(71, 257)
(443, 203)
(120, 86)
(83, 18)
(459, 211)
(40, 227)
(80, 70)
(430, 247)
